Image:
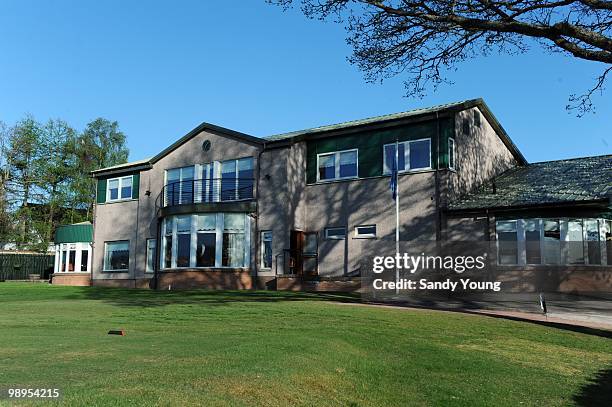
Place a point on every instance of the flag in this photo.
(393, 182)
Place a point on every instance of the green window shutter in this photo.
(135, 185)
(101, 191)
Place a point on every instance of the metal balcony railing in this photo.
(207, 190)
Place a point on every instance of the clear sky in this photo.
(161, 68)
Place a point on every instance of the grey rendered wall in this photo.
(137, 220)
(114, 221)
(366, 202)
(480, 155)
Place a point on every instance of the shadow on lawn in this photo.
(598, 391)
(152, 298)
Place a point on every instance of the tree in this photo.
(56, 165)
(23, 151)
(427, 38)
(4, 212)
(100, 145)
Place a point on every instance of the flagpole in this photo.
(397, 198)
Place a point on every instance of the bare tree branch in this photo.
(426, 38)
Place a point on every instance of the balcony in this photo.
(204, 193)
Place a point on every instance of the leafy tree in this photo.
(23, 151)
(56, 165)
(100, 145)
(427, 38)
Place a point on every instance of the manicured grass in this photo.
(278, 349)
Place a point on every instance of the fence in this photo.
(19, 266)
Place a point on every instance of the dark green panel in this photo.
(370, 145)
(135, 185)
(101, 192)
(74, 233)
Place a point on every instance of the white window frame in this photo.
(407, 147)
(193, 239)
(120, 183)
(262, 246)
(149, 264)
(452, 156)
(80, 248)
(334, 237)
(359, 235)
(336, 155)
(104, 265)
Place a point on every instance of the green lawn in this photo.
(278, 349)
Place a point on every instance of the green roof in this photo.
(79, 232)
(578, 180)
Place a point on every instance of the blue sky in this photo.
(161, 68)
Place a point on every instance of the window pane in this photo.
(71, 260)
(168, 252)
(552, 237)
(84, 258)
(63, 262)
(186, 186)
(420, 154)
(113, 189)
(266, 249)
(117, 256)
(245, 178)
(532, 242)
(366, 230)
(327, 166)
(183, 224)
(593, 247)
(335, 233)
(228, 181)
(173, 186)
(608, 234)
(233, 221)
(233, 249)
(207, 222)
(151, 243)
(348, 164)
(183, 249)
(206, 249)
(390, 157)
(507, 242)
(575, 245)
(126, 187)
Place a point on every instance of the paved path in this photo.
(595, 314)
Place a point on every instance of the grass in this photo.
(278, 349)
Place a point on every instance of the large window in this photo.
(229, 180)
(411, 156)
(337, 165)
(206, 240)
(553, 241)
(117, 256)
(119, 188)
(266, 249)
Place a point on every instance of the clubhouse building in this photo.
(223, 209)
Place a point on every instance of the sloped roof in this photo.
(78, 232)
(300, 134)
(374, 119)
(577, 180)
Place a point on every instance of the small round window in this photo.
(206, 145)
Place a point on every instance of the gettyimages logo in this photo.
(458, 264)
